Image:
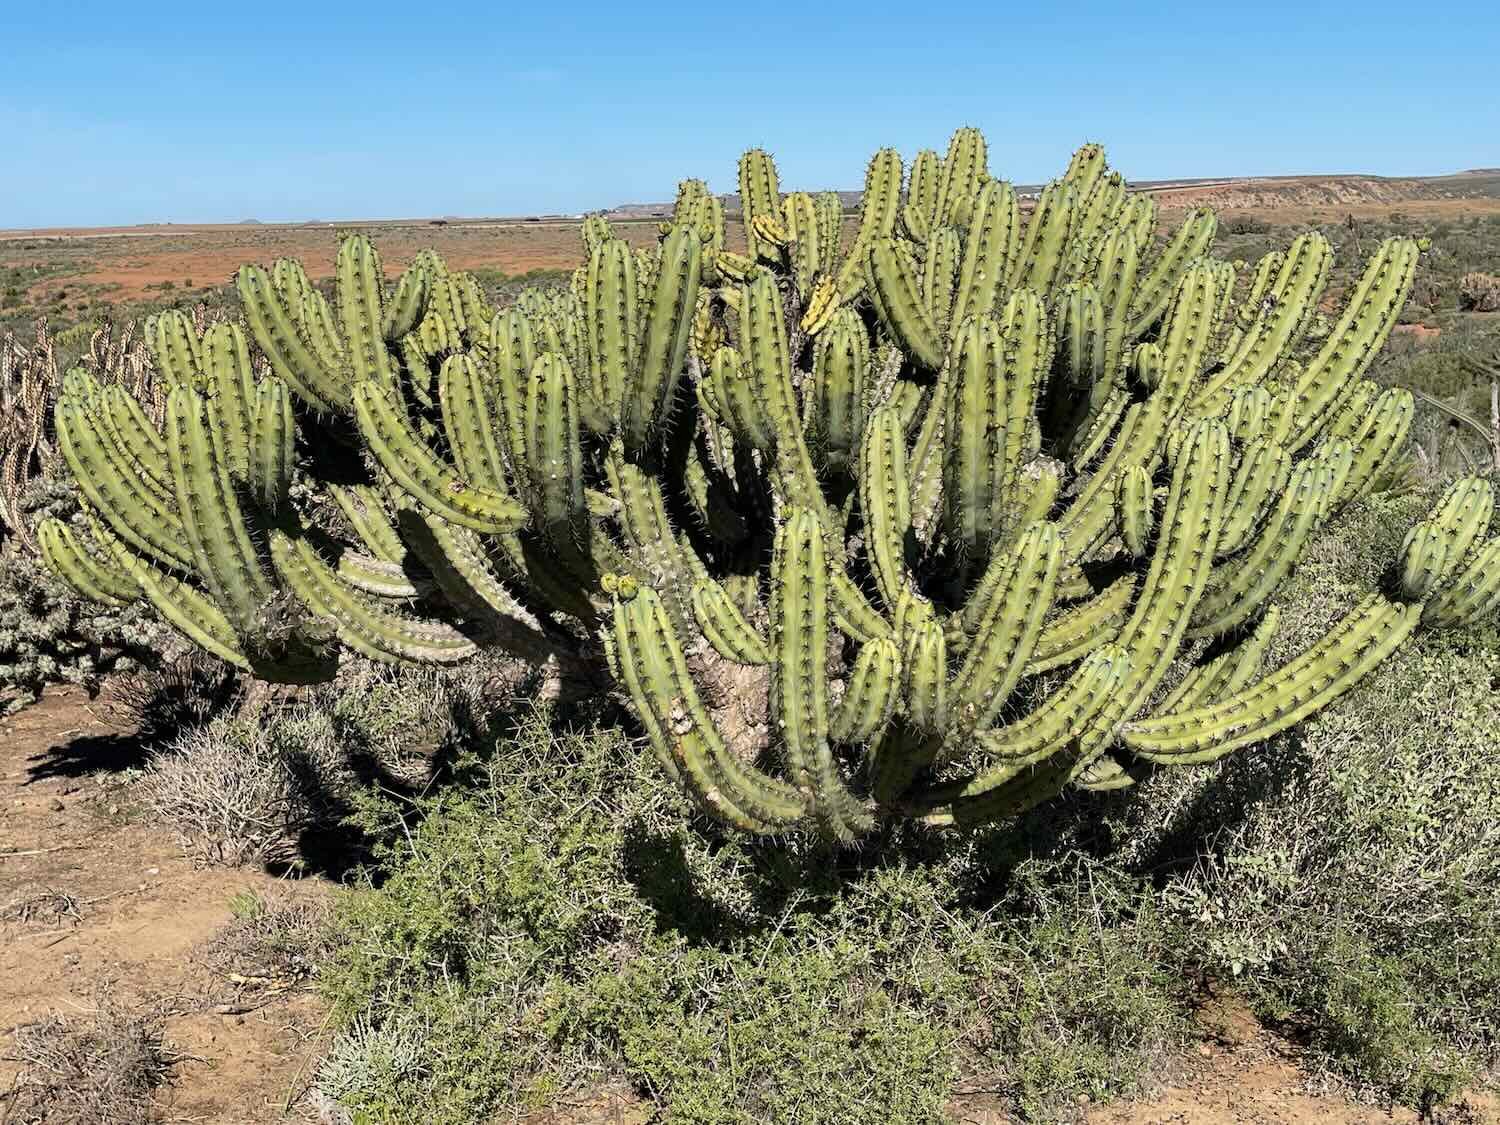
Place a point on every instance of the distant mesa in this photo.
(250, 223)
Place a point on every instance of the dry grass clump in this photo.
(239, 795)
(271, 942)
(32, 903)
(98, 1069)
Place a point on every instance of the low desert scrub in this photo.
(1348, 876)
(271, 942)
(95, 1069)
(49, 633)
(552, 917)
(558, 921)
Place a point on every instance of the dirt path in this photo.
(119, 912)
(124, 913)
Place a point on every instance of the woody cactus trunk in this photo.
(933, 520)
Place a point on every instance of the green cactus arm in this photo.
(878, 208)
(1106, 410)
(469, 417)
(963, 170)
(176, 348)
(224, 557)
(1472, 594)
(513, 351)
(1080, 378)
(1302, 687)
(230, 386)
(611, 313)
(1038, 266)
(1285, 310)
(1020, 746)
(375, 575)
(110, 483)
(1361, 332)
(799, 681)
(841, 368)
(1464, 512)
(760, 195)
(1174, 583)
(884, 501)
(362, 623)
(1102, 204)
(925, 668)
(664, 338)
(408, 304)
(874, 687)
(855, 617)
(1135, 510)
(974, 439)
(133, 432)
(763, 333)
(1026, 339)
(1378, 443)
(1083, 628)
(939, 277)
(898, 298)
(92, 576)
(272, 445)
(363, 508)
(725, 627)
(1247, 585)
(1262, 475)
(920, 209)
(1227, 672)
(190, 612)
(287, 345)
(1008, 634)
(1156, 289)
(389, 436)
(993, 229)
(654, 669)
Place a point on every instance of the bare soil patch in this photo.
(97, 909)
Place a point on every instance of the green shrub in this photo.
(558, 920)
(1349, 874)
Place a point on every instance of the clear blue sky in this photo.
(125, 112)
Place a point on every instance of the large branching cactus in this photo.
(936, 521)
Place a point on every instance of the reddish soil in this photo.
(142, 909)
(129, 263)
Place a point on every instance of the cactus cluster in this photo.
(933, 521)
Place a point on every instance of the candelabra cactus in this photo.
(982, 507)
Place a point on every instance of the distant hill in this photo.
(1231, 192)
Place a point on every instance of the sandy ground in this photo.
(66, 825)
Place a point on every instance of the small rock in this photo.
(56, 805)
(67, 789)
(114, 810)
(153, 871)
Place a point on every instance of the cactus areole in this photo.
(933, 518)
